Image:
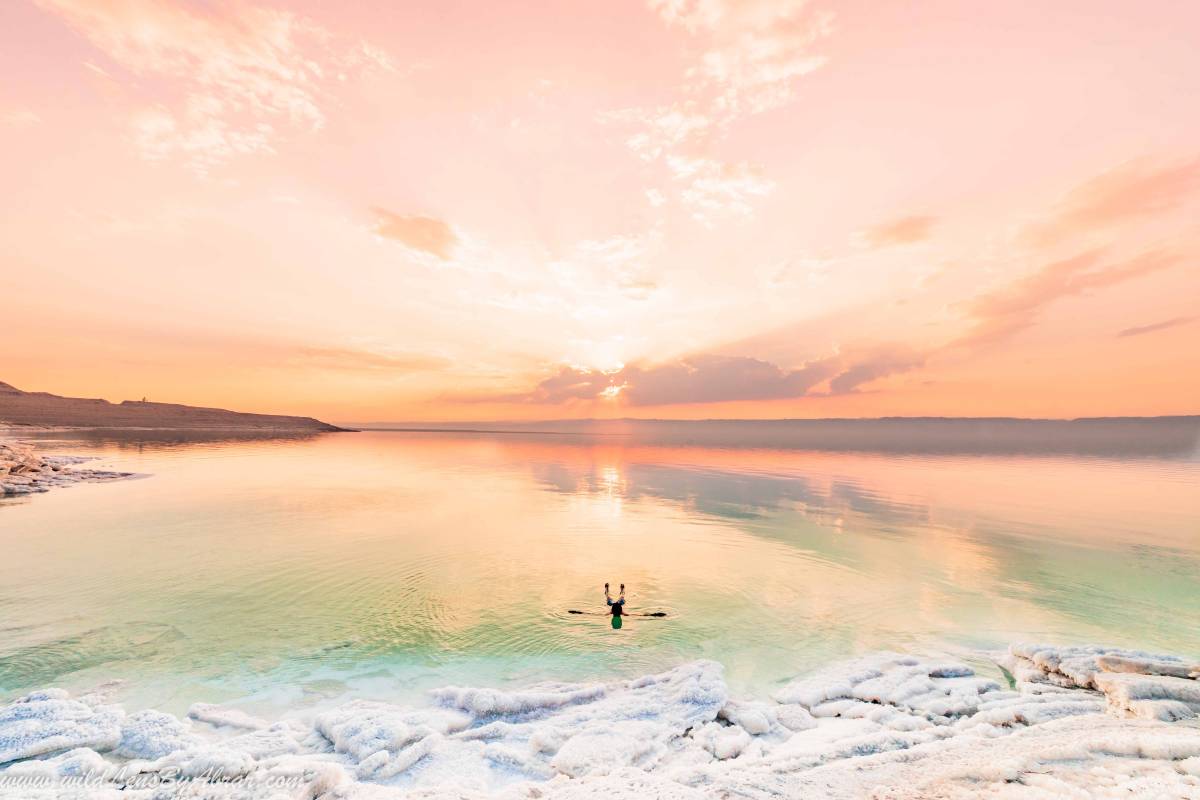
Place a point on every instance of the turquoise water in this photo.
(298, 571)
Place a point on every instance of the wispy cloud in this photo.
(751, 54)
(998, 314)
(711, 187)
(754, 50)
(1174, 322)
(664, 129)
(1134, 190)
(903, 230)
(238, 76)
(426, 234)
(359, 360)
(218, 348)
(620, 260)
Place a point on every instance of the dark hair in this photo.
(617, 610)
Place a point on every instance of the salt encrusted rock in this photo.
(225, 717)
(1150, 696)
(886, 725)
(152, 734)
(755, 718)
(282, 738)
(1074, 667)
(49, 721)
(795, 717)
(833, 682)
(1175, 668)
(76, 763)
(903, 692)
(599, 749)
(487, 702)
(17, 463)
(723, 741)
(1134, 683)
(23, 471)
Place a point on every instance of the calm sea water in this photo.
(291, 572)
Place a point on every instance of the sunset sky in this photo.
(674, 208)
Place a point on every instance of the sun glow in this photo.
(612, 391)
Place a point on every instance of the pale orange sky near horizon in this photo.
(664, 208)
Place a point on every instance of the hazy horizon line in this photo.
(466, 425)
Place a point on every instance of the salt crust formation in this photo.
(1076, 722)
(24, 471)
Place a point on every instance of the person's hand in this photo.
(606, 586)
(622, 588)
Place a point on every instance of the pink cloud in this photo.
(752, 53)
(880, 364)
(1133, 190)
(755, 49)
(998, 314)
(711, 187)
(426, 234)
(903, 230)
(1166, 324)
(235, 75)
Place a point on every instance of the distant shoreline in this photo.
(458, 426)
(17, 428)
(1175, 436)
(41, 410)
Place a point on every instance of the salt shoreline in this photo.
(1089, 720)
(24, 471)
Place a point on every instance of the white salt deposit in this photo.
(1084, 721)
(25, 471)
(225, 717)
(50, 721)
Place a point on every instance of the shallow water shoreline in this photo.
(1073, 718)
(293, 606)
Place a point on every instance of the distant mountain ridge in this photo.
(41, 408)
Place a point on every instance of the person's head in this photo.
(617, 609)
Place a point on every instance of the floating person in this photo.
(617, 608)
